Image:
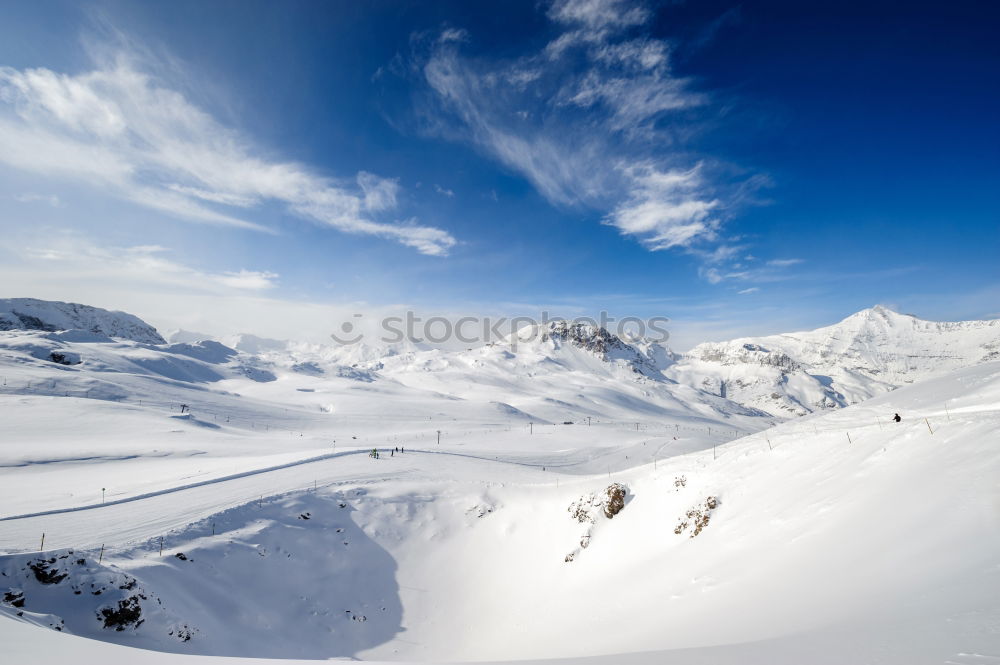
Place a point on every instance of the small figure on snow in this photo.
(896, 418)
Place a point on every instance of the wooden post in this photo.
(531, 428)
(42, 546)
(100, 558)
(714, 456)
(439, 437)
(928, 426)
(947, 411)
(161, 545)
(879, 422)
(769, 446)
(849, 438)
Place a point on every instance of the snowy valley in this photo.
(578, 497)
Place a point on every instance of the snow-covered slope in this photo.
(866, 354)
(32, 314)
(830, 539)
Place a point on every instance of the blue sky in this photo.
(740, 168)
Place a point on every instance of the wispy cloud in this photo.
(444, 192)
(746, 292)
(31, 197)
(76, 258)
(124, 131)
(784, 263)
(589, 120)
(726, 264)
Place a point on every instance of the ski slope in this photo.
(835, 538)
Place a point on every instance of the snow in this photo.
(836, 537)
(867, 354)
(32, 314)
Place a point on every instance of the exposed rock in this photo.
(588, 509)
(127, 614)
(698, 517)
(14, 598)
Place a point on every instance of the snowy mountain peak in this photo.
(867, 353)
(34, 314)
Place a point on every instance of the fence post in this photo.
(928, 426)
(161, 545)
(769, 446)
(101, 557)
(42, 546)
(849, 438)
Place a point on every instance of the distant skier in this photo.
(896, 418)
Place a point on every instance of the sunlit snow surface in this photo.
(837, 537)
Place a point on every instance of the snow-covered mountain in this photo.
(224, 500)
(563, 374)
(558, 372)
(868, 353)
(33, 314)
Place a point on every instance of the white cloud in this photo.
(746, 292)
(69, 258)
(746, 270)
(126, 133)
(711, 275)
(664, 209)
(598, 14)
(581, 119)
(444, 192)
(31, 197)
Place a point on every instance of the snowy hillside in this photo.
(32, 314)
(830, 539)
(561, 494)
(866, 354)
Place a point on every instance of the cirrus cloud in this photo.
(125, 132)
